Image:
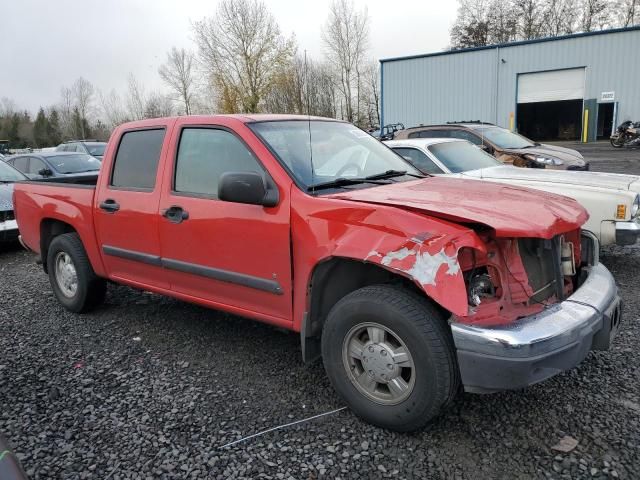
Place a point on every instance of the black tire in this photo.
(91, 289)
(416, 323)
(617, 142)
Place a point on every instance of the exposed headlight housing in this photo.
(545, 160)
(480, 287)
(635, 208)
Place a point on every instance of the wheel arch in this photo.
(49, 229)
(334, 278)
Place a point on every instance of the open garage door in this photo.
(550, 104)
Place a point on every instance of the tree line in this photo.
(487, 22)
(239, 62)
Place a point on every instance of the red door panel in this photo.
(126, 210)
(230, 254)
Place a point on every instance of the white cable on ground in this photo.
(283, 426)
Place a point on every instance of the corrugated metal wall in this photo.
(463, 86)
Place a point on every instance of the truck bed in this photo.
(45, 204)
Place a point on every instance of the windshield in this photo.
(96, 149)
(503, 138)
(462, 156)
(74, 163)
(321, 151)
(9, 174)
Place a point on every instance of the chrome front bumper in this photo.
(537, 347)
(627, 233)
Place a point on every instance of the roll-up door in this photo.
(552, 86)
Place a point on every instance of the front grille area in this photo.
(7, 215)
(541, 259)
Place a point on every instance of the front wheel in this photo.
(390, 356)
(72, 278)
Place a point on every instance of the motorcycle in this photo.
(626, 135)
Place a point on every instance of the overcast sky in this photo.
(47, 44)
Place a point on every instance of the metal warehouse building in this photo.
(563, 88)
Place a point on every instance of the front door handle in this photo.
(175, 214)
(110, 205)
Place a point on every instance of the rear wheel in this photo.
(389, 355)
(617, 142)
(72, 278)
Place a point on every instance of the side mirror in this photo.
(248, 187)
(45, 172)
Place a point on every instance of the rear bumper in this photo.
(627, 233)
(537, 347)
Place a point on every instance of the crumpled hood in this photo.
(569, 156)
(6, 197)
(614, 181)
(510, 211)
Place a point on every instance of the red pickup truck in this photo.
(408, 287)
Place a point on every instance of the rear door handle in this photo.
(110, 206)
(175, 214)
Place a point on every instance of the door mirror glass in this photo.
(247, 187)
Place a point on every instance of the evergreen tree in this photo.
(40, 136)
(54, 136)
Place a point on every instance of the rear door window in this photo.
(136, 162)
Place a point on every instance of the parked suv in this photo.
(506, 146)
(91, 147)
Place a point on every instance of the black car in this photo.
(8, 224)
(90, 147)
(54, 164)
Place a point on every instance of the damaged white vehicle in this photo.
(612, 200)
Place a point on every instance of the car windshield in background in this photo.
(319, 151)
(74, 163)
(96, 149)
(10, 174)
(503, 138)
(462, 156)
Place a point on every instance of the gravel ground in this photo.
(150, 387)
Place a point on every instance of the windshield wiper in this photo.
(391, 174)
(343, 181)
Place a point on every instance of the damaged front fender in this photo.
(419, 247)
(432, 263)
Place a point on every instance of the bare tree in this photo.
(135, 99)
(626, 12)
(595, 15)
(82, 91)
(66, 107)
(471, 28)
(179, 74)
(7, 107)
(243, 52)
(113, 110)
(531, 20)
(560, 17)
(346, 36)
(157, 105)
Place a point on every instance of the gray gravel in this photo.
(149, 387)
